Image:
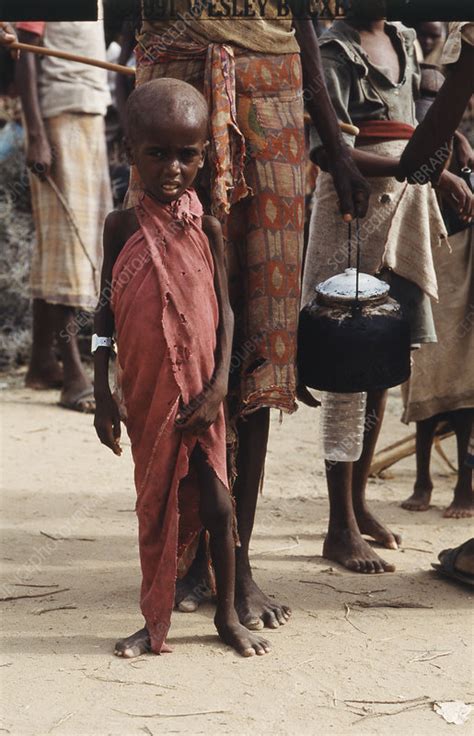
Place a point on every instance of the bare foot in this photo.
(79, 396)
(256, 610)
(47, 375)
(352, 551)
(136, 644)
(420, 498)
(462, 506)
(370, 525)
(459, 510)
(238, 637)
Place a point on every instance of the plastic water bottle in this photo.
(342, 426)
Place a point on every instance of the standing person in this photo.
(372, 76)
(170, 308)
(64, 104)
(441, 387)
(426, 154)
(252, 68)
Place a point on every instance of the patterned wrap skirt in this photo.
(254, 184)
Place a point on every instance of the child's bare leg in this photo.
(217, 516)
(462, 505)
(255, 609)
(344, 542)
(366, 521)
(44, 370)
(421, 497)
(194, 587)
(77, 388)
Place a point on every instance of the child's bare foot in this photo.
(254, 608)
(419, 500)
(136, 645)
(239, 638)
(348, 548)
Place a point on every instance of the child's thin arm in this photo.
(107, 418)
(200, 413)
(225, 329)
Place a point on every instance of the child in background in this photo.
(169, 306)
(441, 386)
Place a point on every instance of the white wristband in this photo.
(100, 342)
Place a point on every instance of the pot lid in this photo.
(342, 288)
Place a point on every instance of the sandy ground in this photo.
(57, 672)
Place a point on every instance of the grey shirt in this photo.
(360, 90)
(66, 86)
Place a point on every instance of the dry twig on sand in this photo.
(430, 657)
(33, 585)
(61, 720)
(341, 590)
(68, 539)
(33, 595)
(408, 705)
(171, 715)
(129, 682)
(50, 536)
(346, 616)
(58, 608)
(388, 604)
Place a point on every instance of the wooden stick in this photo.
(121, 69)
(403, 448)
(345, 127)
(42, 50)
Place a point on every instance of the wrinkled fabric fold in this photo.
(227, 144)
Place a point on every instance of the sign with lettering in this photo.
(408, 11)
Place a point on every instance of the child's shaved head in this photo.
(164, 101)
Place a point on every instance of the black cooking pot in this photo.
(353, 337)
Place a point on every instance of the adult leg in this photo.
(44, 370)
(462, 505)
(255, 609)
(421, 497)
(344, 542)
(367, 522)
(216, 513)
(77, 387)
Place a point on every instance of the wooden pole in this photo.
(42, 50)
(120, 69)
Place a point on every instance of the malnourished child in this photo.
(165, 274)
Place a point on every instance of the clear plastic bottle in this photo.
(342, 425)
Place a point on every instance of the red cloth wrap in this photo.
(378, 131)
(36, 26)
(166, 317)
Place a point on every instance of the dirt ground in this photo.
(336, 668)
